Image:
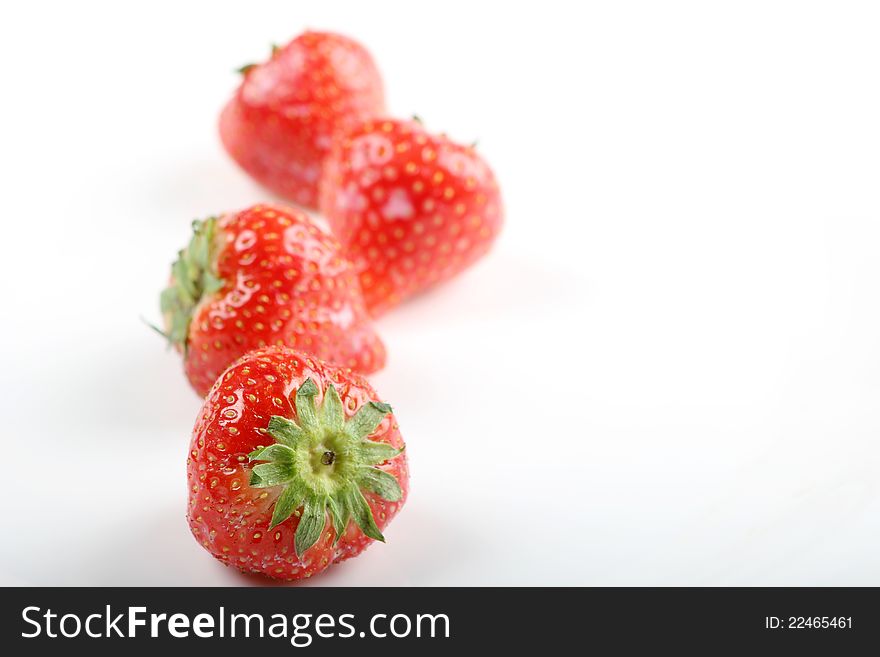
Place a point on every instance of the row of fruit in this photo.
(294, 463)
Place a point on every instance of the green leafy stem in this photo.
(324, 461)
(193, 277)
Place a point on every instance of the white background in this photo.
(667, 372)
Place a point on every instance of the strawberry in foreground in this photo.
(412, 209)
(280, 123)
(265, 276)
(294, 465)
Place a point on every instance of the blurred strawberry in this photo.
(280, 123)
(411, 209)
(265, 276)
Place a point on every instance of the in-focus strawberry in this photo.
(265, 276)
(412, 209)
(279, 124)
(294, 465)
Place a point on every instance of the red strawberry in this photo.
(266, 275)
(411, 208)
(280, 123)
(293, 466)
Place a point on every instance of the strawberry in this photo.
(280, 123)
(293, 466)
(265, 275)
(411, 208)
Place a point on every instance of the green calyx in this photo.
(244, 70)
(324, 462)
(193, 277)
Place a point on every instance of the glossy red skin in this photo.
(228, 517)
(412, 209)
(280, 123)
(286, 283)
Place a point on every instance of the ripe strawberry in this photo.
(279, 124)
(286, 451)
(412, 209)
(266, 275)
